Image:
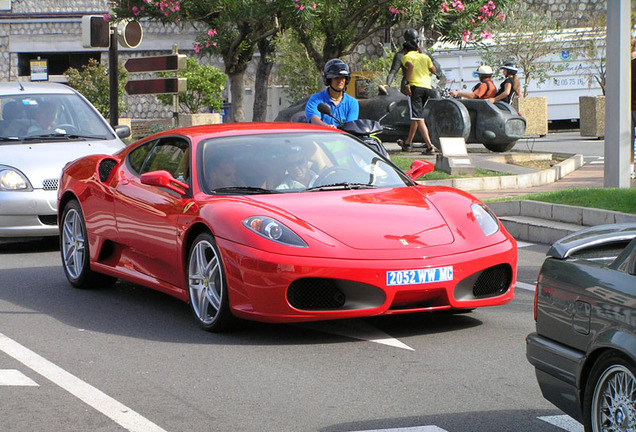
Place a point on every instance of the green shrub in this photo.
(205, 87)
(93, 83)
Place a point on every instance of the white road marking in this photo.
(409, 429)
(521, 244)
(116, 411)
(356, 330)
(525, 286)
(564, 422)
(13, 377)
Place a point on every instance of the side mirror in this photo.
(324, 108)
(122, 131)
(164, 179)
(419, 168)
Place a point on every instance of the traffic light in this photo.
(95, 31)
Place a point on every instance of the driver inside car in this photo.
(45, 119)
(299, 174)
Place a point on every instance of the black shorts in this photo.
(419, 96)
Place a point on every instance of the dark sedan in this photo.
(584, 347)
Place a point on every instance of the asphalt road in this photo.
(127, 358)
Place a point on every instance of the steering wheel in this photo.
(66, 127)
(327, 172)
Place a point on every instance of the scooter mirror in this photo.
(324, 108)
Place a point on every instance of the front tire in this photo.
(74, 250)
(610, 395)
(207, 287)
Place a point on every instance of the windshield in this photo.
(292, 162)
(50, 115)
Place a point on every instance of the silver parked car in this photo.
(584, 347)
(43, 127)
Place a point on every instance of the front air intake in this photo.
(315, 294)
(493, 281)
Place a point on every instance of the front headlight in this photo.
(13, 180)
(273, 230)
(486, 220)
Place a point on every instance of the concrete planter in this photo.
(592, 116)
(535, 111)
(199, 119)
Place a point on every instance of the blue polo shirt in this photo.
(347, 110)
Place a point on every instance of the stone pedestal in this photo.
(592, 116)
(535, 111)
(454, 158)
(199, 119)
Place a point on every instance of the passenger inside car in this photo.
(221, 172)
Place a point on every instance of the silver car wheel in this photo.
(73, 243)
(205, 282)
(614, 400)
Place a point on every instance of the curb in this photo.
(546, 223)
(521, 181)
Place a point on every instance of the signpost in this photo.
(174, 62)
(169, 63)
(156, 86)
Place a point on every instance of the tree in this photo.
(93, 83)
(590, 48)
(230, 28)
(528, 38)
(205, 84)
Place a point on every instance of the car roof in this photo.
(230, 129)
(28, 87)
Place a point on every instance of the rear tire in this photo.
(610, 395)
(75, 252)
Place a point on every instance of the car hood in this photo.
(40, 161)
(374, 219)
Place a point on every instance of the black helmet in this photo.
(411, 35)
(511, 67)
(336, 68)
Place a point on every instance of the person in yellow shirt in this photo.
(419, 69)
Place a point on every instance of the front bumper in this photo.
(558, 369)
(28, 214)
(281, 288)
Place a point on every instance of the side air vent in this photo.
(105, 168)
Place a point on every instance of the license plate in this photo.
(419, 276)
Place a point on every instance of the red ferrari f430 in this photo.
(279, 222)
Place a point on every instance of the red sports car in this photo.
(279, 222)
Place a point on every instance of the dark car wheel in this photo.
(610, 395)
(74, 250)
(498, 148)
(206, 285)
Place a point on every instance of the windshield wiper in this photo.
(10, 138)
(243, 189)
(58, 135)
(343, 185)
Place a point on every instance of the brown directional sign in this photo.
(174, 62)
(156, 86)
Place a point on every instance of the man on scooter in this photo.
(336, 76)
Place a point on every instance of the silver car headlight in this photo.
(273, 230)
(486, 220)
(13, 180)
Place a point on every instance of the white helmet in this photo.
(484, 70)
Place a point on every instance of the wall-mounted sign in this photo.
(39, 70)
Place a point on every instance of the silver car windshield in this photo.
(293, 162)
(50, 115)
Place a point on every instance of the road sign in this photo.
(129, 33)
(174, 62)
(156, 86)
